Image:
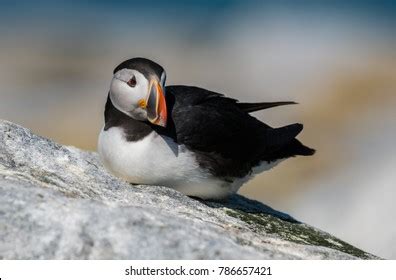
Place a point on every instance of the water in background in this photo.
(338, 60)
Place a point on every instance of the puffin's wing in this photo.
(252, 107)
(209, 122)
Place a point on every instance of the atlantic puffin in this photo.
(196, 141)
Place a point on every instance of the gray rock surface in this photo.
(58, 202)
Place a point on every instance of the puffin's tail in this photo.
(299, 149)
(287, 145)
(294, 148)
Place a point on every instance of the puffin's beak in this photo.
(156, 105)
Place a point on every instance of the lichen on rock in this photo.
(58, 202)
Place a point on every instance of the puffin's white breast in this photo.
(157, 160)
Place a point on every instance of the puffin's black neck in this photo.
(134, 130)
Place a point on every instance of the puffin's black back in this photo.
(224, 137)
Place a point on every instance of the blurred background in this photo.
(336, 58)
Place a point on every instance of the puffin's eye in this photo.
(132, 82)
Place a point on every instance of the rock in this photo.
(58, 202)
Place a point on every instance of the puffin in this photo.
(196, 141)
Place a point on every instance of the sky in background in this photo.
(337, 59)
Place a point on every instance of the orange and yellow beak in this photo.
(156, 104)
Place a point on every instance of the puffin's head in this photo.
(137, 89)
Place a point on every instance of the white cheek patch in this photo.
(121, 96)
(124, 97)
